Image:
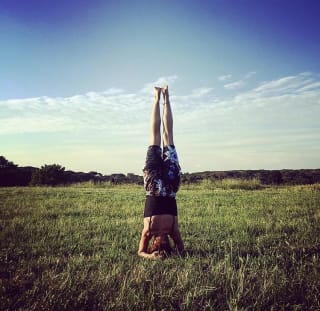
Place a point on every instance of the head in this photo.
(161, 244)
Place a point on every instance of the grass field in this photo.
(75, 248)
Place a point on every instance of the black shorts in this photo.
(162, 172)
(160, 206)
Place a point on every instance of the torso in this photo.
(160, 224)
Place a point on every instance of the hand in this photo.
(155, 255)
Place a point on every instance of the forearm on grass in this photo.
(143, 244)
(176, 236)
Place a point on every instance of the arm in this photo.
(143, 246)
(176, 237)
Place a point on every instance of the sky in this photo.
(76, 81)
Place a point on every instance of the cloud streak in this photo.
(225, 77)
(110, 109)
(240, 83)
(115, 109)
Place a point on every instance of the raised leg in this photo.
(156, 118)
(167, 119)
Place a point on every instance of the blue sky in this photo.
(76, 82)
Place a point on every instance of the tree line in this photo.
(55, 174)
(267, 177)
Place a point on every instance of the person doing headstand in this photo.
(161, 181)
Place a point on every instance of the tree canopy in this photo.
(50, 175)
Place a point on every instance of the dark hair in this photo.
(161, 244)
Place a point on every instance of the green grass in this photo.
(75, 248)
(232, 183)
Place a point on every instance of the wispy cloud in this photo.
(287, 85)
(234, 85)
(169, 80)
(225, 77)
(110, 109)
(115, 109)
(249, 75)
(202, 91)
(240, 83)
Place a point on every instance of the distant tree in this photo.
(273, 177)
(4, 163)
(134, 179)
(118, 178)
(8, 173)
(50, 175)
(276, 177)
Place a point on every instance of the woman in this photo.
(161, 181)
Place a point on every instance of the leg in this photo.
(172, 170)
(167, 119)
(156, 119)
(153, 164)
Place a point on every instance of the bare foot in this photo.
(157, 93)
(165, 93)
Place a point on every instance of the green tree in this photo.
(51, 175)
(4, 163)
